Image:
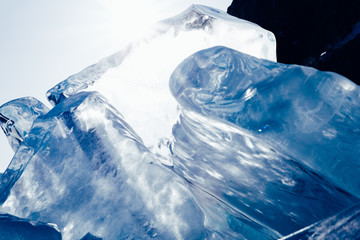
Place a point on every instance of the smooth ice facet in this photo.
(252, 176)
(312, 116)
(344, 225)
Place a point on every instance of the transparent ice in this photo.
(17, 117)
(145, 66)
(87, 171)
(344, 225)
(233, 147)
(312, 116)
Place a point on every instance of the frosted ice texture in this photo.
(312, 116)
(145, 66)
(12, 227)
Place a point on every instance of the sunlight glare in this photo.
(129, 20)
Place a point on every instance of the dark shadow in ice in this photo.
(12, 227)
(344, 225)
(87, 171)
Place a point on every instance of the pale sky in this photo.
(42, 42)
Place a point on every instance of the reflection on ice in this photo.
(300, 111)
(135, 80)
(251, 176)
(91, 173)
(17, 117)
(344, 225)
(238, 148)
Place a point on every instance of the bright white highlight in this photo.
(44, 42)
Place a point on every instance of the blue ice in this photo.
(260, 150)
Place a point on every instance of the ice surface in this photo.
(144, 67)
(17, 116)
(312, 116)
(84, 168)
(344, 225)
(12, 227)
(239, 147)
(88, 172)
(252, 176)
